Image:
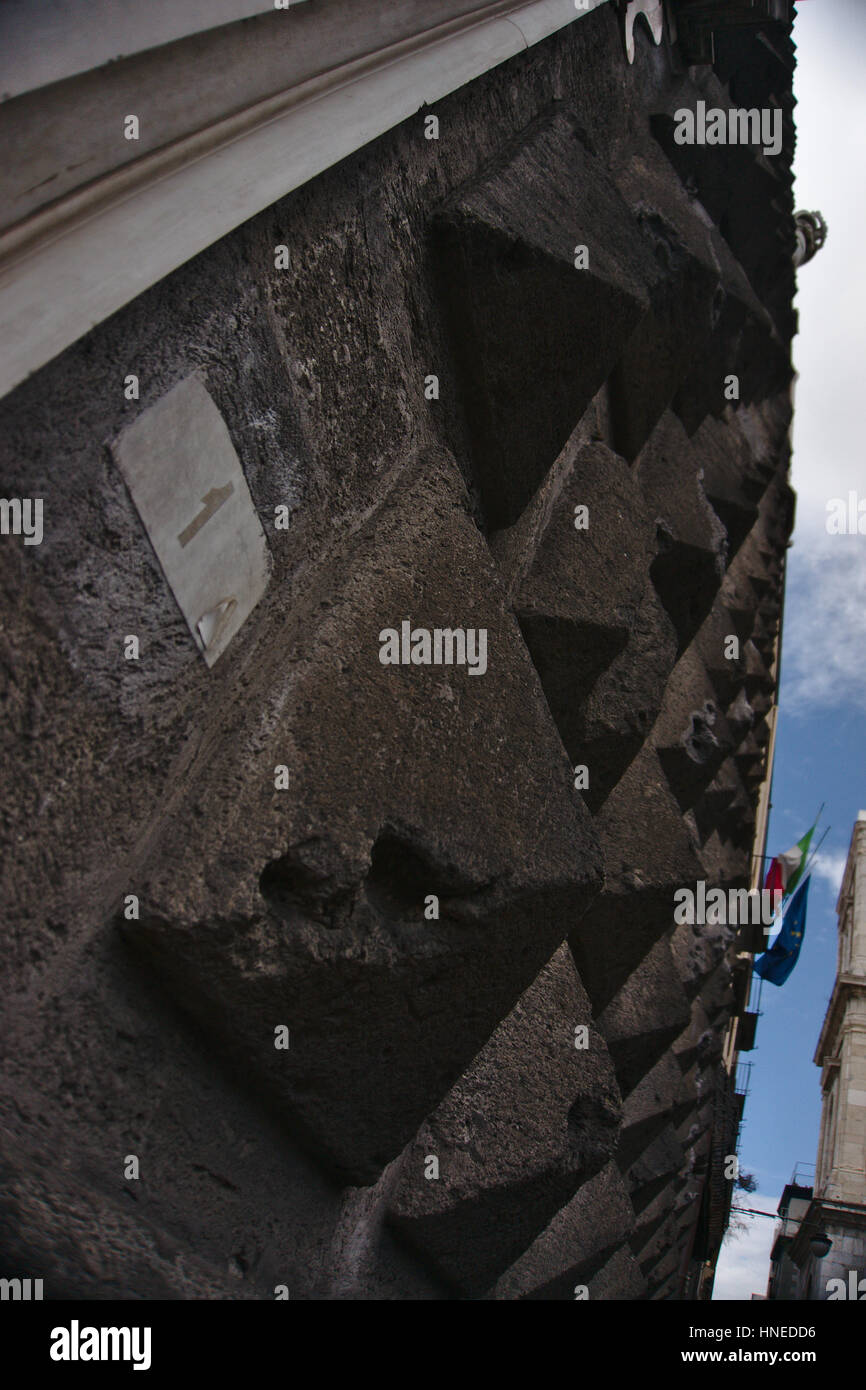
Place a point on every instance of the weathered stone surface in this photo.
(712, 805)
(758, 683)
(320, 924)
(506, 246)
(698, 1044)
(739, 716)
(724, 862)
(649, 1106)
(694, 1130)
(723, 661)
(689, 567)
(651, 1221)
(662, 1272)
(730, 491)
(656, 1165)
(692, 737)
(685, 296)
(744, 344)
(87, 1242)
(736, 186)
(697, 951)
(305, 906)
(512, 1146)
(717, 993)
(722, 815)
(749, 759)
(576, 1246)
(648, 853)
(579, 581)
(620, 1280)
(598, 636)
(726, 317)
(644, 1017)
(624, 702)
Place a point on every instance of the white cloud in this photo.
(823, 650)
(830, 867)
(744, 1263)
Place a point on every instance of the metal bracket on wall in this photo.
(653, 13)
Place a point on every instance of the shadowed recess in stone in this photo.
(404, 874)
(580, 1237)
(598, 635)
(690, 564)
(738, 188)
(300, 884)
(512, 1147)
(569, 657)
(644, 1018)
(662, 347)
(649, 852)
(534, 334)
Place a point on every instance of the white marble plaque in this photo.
(186, 481)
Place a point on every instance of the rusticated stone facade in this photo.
(551, 1044)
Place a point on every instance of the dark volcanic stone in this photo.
(576, 1247)
(535, 336)
(600, 641)
(513, 1144)
(648, 853)
(267, 907)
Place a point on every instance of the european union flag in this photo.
(776, 964)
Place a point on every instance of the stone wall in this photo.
(552, 1039)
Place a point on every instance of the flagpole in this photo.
(810, 861)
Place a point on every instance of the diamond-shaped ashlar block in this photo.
(306, 906)
(600, 639)
(535, 336)
(514, 1143)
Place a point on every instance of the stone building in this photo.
(837, 1207)
(784, 1281)
(327, 977)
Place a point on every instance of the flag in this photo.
(786, 869)
(776, 964)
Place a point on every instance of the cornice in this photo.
(846, 988)
(71, 265)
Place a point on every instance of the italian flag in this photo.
(786, 869)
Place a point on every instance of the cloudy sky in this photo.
(821, 745)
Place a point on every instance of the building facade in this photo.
(838, 1203)
(784, 1282)
(395, 442)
